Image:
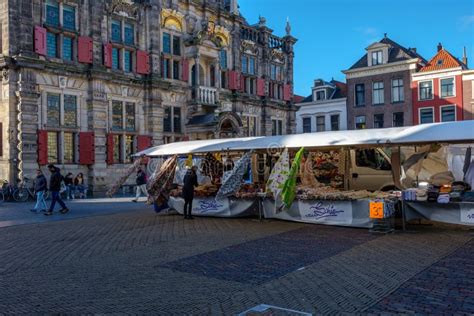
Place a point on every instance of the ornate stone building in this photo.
(85, 84)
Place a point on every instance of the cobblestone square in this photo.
(141, 262)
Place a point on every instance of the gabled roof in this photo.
(339, 90)
(442, 60)
(396, 53)
(298, 98)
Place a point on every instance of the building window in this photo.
(397, 90)
(277, 127)
(129, 148)
(70, 110)
(360, 94)
(248, 65)
(251, 65)
(69, 17)
(223, 59)
(320, 95)
(53, 113)
(398, 120)
(335, 122)
(172, 120)
(52, 13)
(176, 69)
(249, 125)
(377, 93)
(166, 68)
(67, 48)
(115, 58)
(52, 44)
(320, 123)
(68, 151)
(129, 34)
(127, 61)
(166, 43)
(378, 120)
(176, 45)
(448, 113)
(53, 147)
(116, 31)
(306, 125)
(117, 116)
(360, 122)
(130, 116)
(377, 58)
(426, 115)
(426, 90)
(275, 72)
(447, 87)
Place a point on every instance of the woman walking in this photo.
(40, 188)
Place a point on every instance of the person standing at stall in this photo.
(141, 184)
(55, 187)
(189, 182)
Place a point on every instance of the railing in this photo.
(206, 95)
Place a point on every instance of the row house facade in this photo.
(325, 109)
(86, 84)
(378, 86)
(438, 89)
(468, 93)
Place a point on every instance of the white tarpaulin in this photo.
(449, 132)
(461, 213)
(338, 213)
(225, 207)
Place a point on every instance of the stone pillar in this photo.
(27, 125)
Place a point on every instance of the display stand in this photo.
(381, 214)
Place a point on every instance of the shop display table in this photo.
(461, 213)
(209, 206)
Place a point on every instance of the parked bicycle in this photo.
(7, 190)
(26, 191)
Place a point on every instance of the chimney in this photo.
(464, 56)
(440, 47)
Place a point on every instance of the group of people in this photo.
(41, 186)
(75, 185)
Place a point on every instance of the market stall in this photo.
(329, 178)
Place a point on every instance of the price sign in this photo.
(375, 209)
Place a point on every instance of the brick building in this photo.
(85, 84)
(378, 86)
(468, 94)
(438, 89)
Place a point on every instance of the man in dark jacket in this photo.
(141, 184)
(55, 187)
(189, 182)
(40, 188)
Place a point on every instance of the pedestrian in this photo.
(189, 182)
(141, 184)
(68, 181)
(41, 186)
(55, 187)
(79, 185)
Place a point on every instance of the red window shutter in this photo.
(110, 149)
(143, 63)
(108, 55)
(85, 48)
(261, 87)
(232, 82)
(185, 70)
(239, 81)
(40, 40)
(86, 148)
(42, 147)
(287, 92)
(143, 142)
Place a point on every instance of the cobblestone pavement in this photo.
(140, 262)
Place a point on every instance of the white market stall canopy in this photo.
(448, 132)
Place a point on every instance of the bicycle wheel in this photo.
(20, 195)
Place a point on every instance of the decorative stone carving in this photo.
(172, 19)
(249, 47)
(216, 34)
(124, 8)
(277, 56)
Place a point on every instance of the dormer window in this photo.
(320, 95)
(377, 58)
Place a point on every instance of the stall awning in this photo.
(449, 132)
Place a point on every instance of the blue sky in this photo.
(333, 34)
